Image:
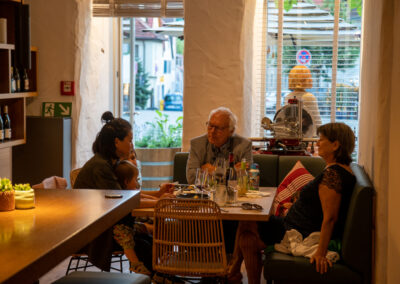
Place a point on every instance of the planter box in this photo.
(157, 166)
(7, 200)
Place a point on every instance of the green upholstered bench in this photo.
(273, 168)
(355, 265)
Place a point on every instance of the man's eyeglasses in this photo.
(217, 128)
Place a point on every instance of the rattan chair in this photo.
(188, 239)
(73, 175)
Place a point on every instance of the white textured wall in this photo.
(217, 63)
(53, 32)
(379, 150)
(73, 47)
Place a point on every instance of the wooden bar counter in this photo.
(33, 241)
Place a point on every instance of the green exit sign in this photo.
(56, 109)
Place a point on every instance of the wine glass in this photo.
(220, 170)
(209, 184)
(200, 178)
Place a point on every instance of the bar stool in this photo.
(90, 277)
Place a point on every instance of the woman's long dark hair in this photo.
(337, 131)
(105, 139)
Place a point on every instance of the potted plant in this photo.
(156, 146)
(7, 196)
(24, 196)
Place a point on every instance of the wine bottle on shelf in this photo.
(1, 129)
(24, 81)
(17, 80)
(13, 82)
(7, 124)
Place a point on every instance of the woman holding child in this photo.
(322, 206)
(113, 166)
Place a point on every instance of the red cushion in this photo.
(294, 181)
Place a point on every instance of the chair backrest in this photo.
(179, 173)
(357, 235)
(73, 175)
(53, 182)
(188, 239)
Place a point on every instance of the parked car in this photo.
(173, 102)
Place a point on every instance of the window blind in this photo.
(330, 33)
(138, 8)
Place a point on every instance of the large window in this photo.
(324, 36)
(152, 79)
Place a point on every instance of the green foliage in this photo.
(345, 7)
(5, 184)
(179, 46)
(287, 4)
(160, 134)
(142, 91)
(22, 187)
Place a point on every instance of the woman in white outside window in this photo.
(300, 79)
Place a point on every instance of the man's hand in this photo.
(238, 165)
(167, 195)
(210, 168)
(166, 188)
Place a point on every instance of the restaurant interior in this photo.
(71, 45)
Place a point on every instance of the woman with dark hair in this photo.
(113, 142)
(322, 206)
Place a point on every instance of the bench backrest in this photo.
(357, 236)
(179, 172)
(273, 168)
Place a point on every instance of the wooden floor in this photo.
(59, 271)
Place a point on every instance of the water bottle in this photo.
(254, 177)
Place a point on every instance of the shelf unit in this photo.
(16, 102)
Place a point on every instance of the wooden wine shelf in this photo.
(18, 95)
(7, 46)
(12, 47)
(13, 142)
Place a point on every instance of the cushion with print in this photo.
(290, 187)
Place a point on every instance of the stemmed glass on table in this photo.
(220, 181)
(205, 181)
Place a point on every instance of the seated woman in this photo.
(322, 206)
(113, 143)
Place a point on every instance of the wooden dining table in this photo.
(234, 212)
(32, 241)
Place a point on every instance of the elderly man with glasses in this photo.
(219, 141)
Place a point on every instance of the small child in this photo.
(127, 174)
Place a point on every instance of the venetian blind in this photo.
(327, 31)
(138, 8)
(260, 52)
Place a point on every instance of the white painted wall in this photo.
(218, 49)
(84, 57)
(53, 32)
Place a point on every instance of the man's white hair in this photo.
(232, 116)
